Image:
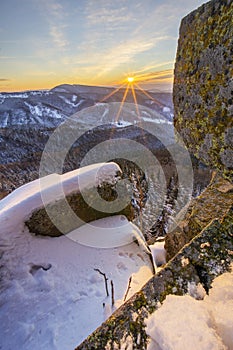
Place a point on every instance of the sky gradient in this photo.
(44, 43)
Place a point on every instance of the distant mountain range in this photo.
(50, 107)
(27, 119)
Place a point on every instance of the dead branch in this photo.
(105, 280)
(128, 288)
(112, 293)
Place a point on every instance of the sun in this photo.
(130, 80)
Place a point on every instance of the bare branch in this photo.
(128, 288)
(105, 280)
(112, 293)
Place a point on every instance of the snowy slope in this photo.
(52, 291)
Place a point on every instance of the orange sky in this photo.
(44, 43)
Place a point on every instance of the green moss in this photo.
(207, 38)
(140, 301)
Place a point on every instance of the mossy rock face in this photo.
(214, 202)
(203, 84)
(208, 255)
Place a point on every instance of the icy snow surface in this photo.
(51, 295)
(185, 323)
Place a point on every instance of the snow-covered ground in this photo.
(53, 292)
(183, 322)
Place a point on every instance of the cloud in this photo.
(108, 16)
(53, 8)
(151, 67)
(125, 53)
(118, 55)
(106, 11)
(41, 73)
(155, 76)
(8, 57)
(108, 59)
(55, 14)
(58, 36)
(5, 83)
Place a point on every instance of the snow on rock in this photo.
(74, 98)
(220, 303)
(158, 253)
(185, 323)
(5, 119)
(81, 189)
(166, 109)
(196, 291)
(33, 195)
(138, 279)
(52, 292)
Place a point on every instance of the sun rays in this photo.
(122, 103)
(128, 87)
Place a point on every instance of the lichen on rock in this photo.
(203, 84)
(213, 203)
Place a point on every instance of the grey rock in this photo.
(203, 87)
(214, 202)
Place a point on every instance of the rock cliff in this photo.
(202, 94)
(203, 84)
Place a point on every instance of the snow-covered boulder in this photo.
(58, 204)
(75, 198)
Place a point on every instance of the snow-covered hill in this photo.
(47, 108)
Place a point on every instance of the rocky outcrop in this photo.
(214, 202)
(203, 84)
(202, 92)
(208, 255)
